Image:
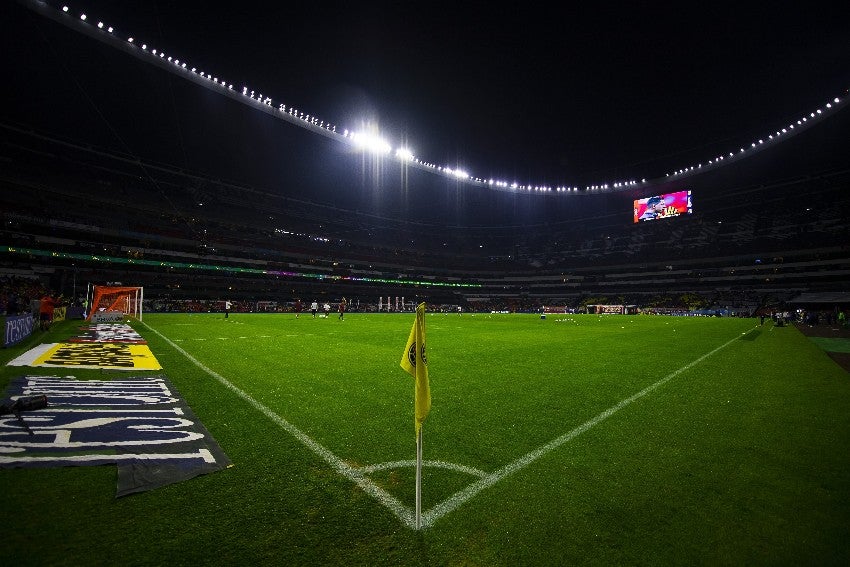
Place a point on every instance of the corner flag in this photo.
(414, 362)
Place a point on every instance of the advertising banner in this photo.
(18, 327)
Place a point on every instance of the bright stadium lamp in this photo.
(404, 154)
(372, 143)
(459, 173)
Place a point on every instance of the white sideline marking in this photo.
(460, 497)
(402, 512)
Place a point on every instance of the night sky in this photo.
(574, 95)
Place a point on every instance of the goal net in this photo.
(555, 309)
(113, 303)
(606, 309)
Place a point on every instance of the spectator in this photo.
(45, 310)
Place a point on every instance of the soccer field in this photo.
(575, 439)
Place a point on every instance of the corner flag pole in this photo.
(415, 363)
(419, 479)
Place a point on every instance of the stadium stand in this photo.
(763, 232)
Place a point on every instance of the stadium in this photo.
(612, 383)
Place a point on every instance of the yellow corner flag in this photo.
(414, 362)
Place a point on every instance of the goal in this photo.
(555, 309)
(113, 303)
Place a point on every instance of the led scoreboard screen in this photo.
(663, 206)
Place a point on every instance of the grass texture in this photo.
(577, 439)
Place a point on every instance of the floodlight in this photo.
(404, 154)
(373, 143)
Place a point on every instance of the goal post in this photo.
(601, 309)
(115, 302)
(555, 309)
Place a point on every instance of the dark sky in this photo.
(576, 93)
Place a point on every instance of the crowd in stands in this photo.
(18, 294)
(194, 242)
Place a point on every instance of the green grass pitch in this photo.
(572, 440)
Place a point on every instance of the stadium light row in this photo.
(791, 129)
(376, 143)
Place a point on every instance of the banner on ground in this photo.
(108, 333)
(107, 317)
(141, 424)
(107, 356)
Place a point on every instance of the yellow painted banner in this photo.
(114, 356)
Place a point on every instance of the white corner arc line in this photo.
(462, 496)
(402, 512)
(368, 469)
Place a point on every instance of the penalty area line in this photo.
(461, 497)
(402, 512)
